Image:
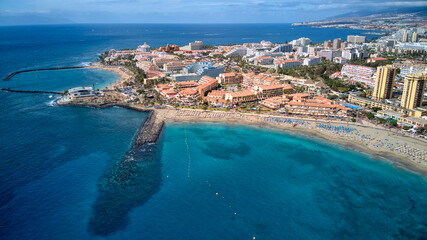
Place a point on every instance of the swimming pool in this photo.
(352, 106)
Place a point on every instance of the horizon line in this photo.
(174, 23)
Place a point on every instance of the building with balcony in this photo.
(241, 96)
(230, 78)
(360, 74)
(413, 90)
(288, 63)
(206, 84)
(384, 82)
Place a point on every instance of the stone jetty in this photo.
(30, 91)
(10, 76)
(150, 130)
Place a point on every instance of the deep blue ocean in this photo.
(72, 173)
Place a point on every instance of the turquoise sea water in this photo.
(72, 173)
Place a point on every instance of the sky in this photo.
(186, 11)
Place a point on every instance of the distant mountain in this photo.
(385, 19)
(364, 13)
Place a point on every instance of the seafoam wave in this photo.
(53, 103)
(86, 64)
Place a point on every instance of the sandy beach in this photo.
(382, 144)
(124, 74)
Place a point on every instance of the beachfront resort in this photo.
(352, 90)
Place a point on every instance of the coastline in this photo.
(124, 74)
(178, 116)
(396, 159)
(380, 144)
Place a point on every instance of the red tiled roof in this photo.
(188, 91)
(169, 92)
(243, 93)
(187, 83)
(229, 74)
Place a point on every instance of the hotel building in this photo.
(405, 36)
(275, 102)
(336, 43)
(241, 96)
(313, 106)
(206, 84)
(263, 61)
(366, 102)
(288, 63)
(413, 90)
(230, 78)
(384, 82)
(358, 73)
(356, 39)
(175, 66)
(414, 37)
(403, 119)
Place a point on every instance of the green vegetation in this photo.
(370, 116)
(338, 85)
(376, 109)
(405, 128)
(381, 120)
(376, 64)
(139, 73)
(103, 56)
(209, 47)
(422, 130)
(313, 72)
(299, 89)
(420, 56)
(321, 72)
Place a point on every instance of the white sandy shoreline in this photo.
(123, 73)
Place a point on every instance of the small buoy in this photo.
(217, 194)
(253, 238)
(235, 213)
(167, 176)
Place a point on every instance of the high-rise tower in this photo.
(384, 82)
(413, 90)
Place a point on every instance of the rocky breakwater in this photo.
(150, 130)
(131, 181)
